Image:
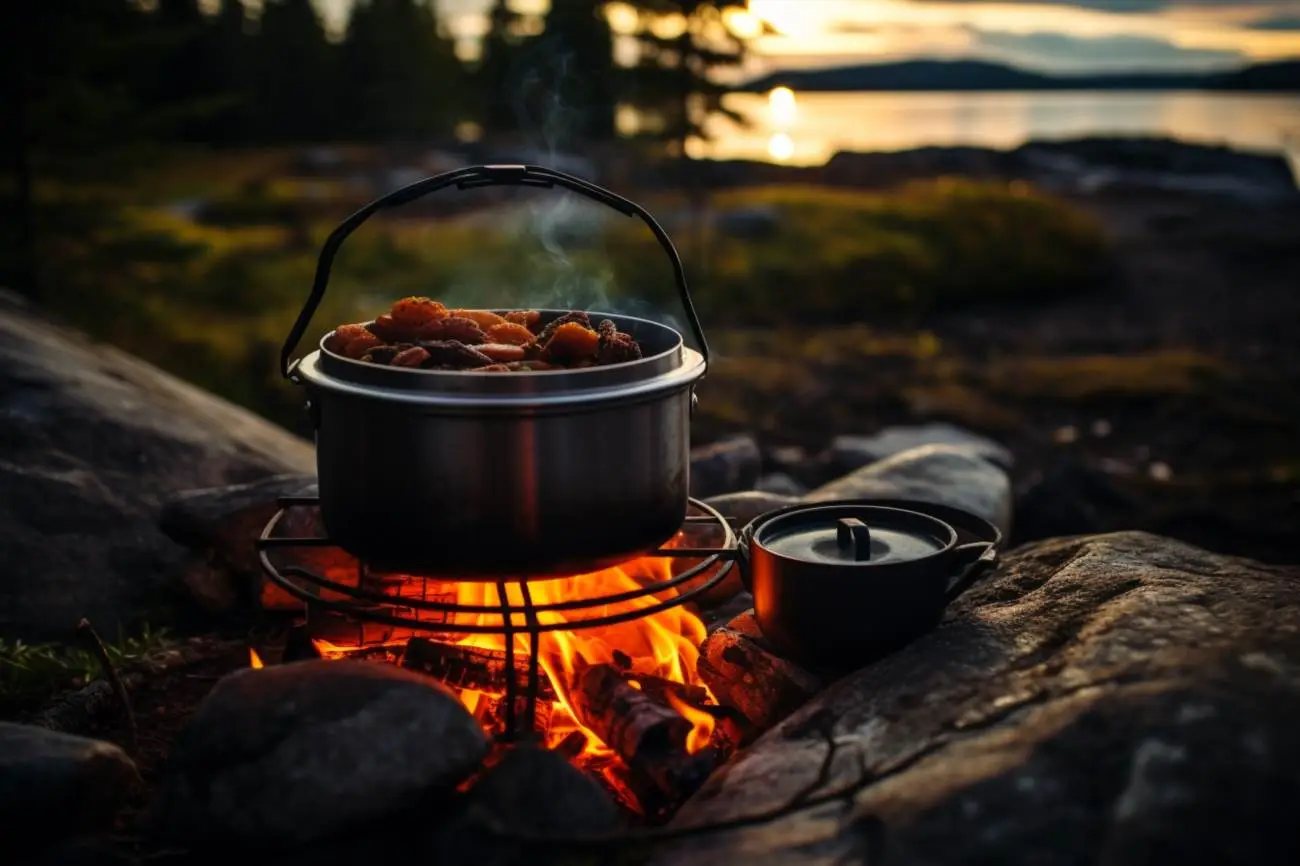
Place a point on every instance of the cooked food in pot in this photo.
(424, 334)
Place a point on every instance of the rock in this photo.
(1070, 498)
(744, 673)
(725, 466)
(852, 452)
(51, 780)
(293, 753)
(717, 617)
(219, 524)
(530, 792)
(744, 507)
(1119, 699)
(93, 441)
(780, 484)
(535, 790)
(932, 473)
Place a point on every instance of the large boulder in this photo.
(93, 441)
(53, 780)
(1117, 699)
(299, 752)
(942, 474)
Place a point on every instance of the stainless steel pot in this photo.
(519, 475)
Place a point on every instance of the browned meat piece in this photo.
(576, 316)
(510, 332)
(383, 354)
(527, 318)
(455, 354)
(412, 357)
(415, 312)
(615, 346)
(388, 329)
(453, 328)
(571, 342)
(343, 335)
(358, 347)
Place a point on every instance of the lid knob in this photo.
(854, 538)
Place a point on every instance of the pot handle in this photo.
(979, 557)
(471, 178)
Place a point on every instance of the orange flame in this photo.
(254, 660)
(664, 644)
(702, 723)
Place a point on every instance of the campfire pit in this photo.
(599, 666)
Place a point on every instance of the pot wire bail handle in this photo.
(472, 178)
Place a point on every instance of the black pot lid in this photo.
(855, 535)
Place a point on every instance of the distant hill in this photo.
(981, 75)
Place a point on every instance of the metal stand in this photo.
(403, 602)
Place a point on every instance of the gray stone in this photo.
(53, 784)
(725, 466)
(93, 442)
(852, 452)
(744, 507)
(932, 473)
(530, 792)
(780, 484)
(219, 524)
(1118, 699)
(293, 753)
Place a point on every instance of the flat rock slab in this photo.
(53, 785)
(93, 441)
(295, 753)
(852, 452)
(1117, 699)
(941, 474)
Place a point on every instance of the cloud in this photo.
(1060, 52)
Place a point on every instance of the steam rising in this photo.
(555, 238)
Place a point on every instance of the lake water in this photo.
(808, 128)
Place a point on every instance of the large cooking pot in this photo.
(520, 475)
(839, 584)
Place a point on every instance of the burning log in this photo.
(636, 726)
(745, 674)
(467, 667)
(648, 735)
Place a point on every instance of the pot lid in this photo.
(855, 535)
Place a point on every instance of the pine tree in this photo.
(674, 80)
(498, 76)
(578, 38)
(292, 73)
(400, 75)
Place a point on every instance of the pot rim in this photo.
(950, 536)
(672, 368)
(691, 370)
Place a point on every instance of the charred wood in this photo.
(744, 673)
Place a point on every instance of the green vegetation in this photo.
(209, 293)
(32, 672)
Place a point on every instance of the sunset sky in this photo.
(1054, 35)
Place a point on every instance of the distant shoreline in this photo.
(939, 76)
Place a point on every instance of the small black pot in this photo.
(840, 584)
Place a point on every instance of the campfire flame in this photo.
(663, 645)
(254, 660)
